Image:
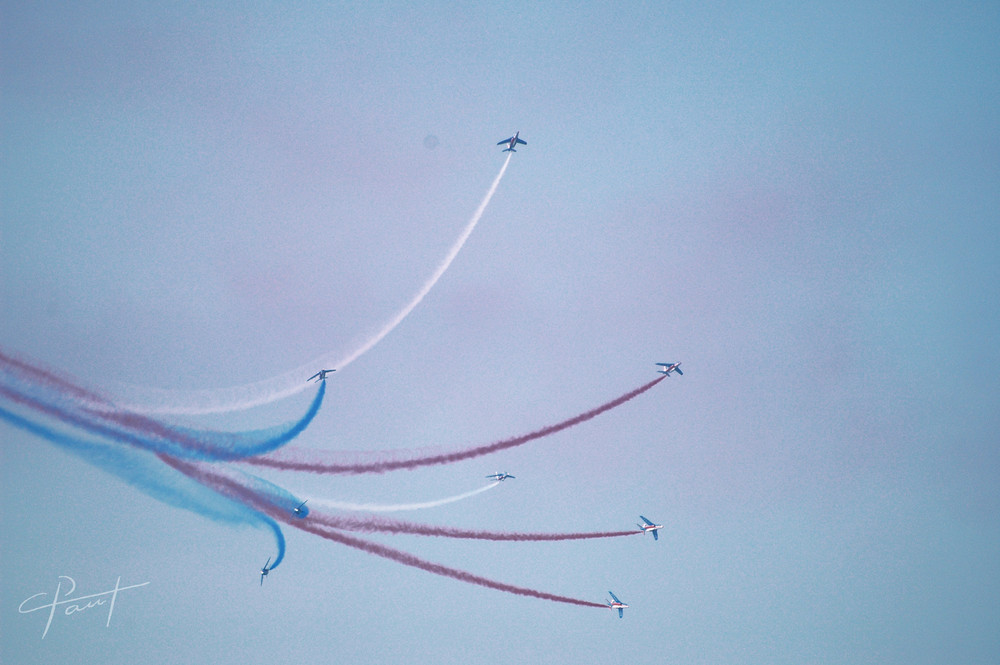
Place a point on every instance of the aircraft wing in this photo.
(621, 613)
(678, 370)
(313, 376)
(507, 141)
(656, 534)
(615, 597)
(646, 521)
(521, 141)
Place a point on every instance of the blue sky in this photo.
(799, 203)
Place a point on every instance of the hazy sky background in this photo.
(798, 203)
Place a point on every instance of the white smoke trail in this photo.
(236, 398)
(389, 508)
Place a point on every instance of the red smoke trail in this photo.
(294, 459)
(39, 375)
(410, 560)
(230, 487)
(384, 525)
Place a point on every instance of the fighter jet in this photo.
(264, 571)
(500, 475)
(511, 142)
(649, 526)
(302, 511)
(667, 368)
(321, 375)
(616, 605)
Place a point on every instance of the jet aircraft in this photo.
(649, 526)
(667, 368)
(500, 475)
(302, 511)
(616, 605)
(511, 142)
(321, 375)
(264, 571)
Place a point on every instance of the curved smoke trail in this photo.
(141, 469)
(235, 398)
(59, 398)
(332, 462)
(279, 539)
(396, 507)
(384, 525)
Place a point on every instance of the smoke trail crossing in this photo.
(141, 469)
(235, 398)
(141, 431)
(332, 462)
(50, 379)
(231, 485)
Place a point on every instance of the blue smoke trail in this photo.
(150, 434)
(247, 489)
(234, 446)
(278, 537)
(140, 469)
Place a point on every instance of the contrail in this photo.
(332, 462)
(235, 398)
(396, 507)
(59, 398)
(384, 525)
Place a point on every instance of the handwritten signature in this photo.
(75, 605)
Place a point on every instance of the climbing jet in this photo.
(500, 475)
(511, 142)
(617, 605)
(301, 510)
(667, 368)
(264, 571)
(321, 375)
(649, 526)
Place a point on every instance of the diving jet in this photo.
(301, 510)
(667, 368)
(264, 571)
(500, 475)
(649, 526)
(616, 605)
(511, 142)
(321, 375)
